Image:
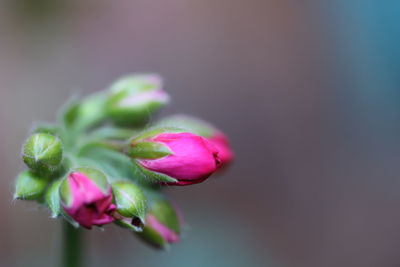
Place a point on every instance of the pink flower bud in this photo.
(204, 129)
(163, 231)
(87, 197)
(132, 99)
(221, 142)
(164, 223)
(190, 158)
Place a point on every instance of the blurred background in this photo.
(308, 91)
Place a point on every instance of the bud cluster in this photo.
(100, 164)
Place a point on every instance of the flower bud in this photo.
(133, 98)
(206, 130)
(29, 186)
(163, 224)
(86, 197)
(79, 115)
(42, 153)
(181, 158)
(131, 205)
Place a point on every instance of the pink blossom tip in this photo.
(86, 202)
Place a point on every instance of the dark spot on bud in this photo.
(137, 222)
(217, 159)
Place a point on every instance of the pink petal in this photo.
(90, 206)
(83, 190)
(221, 142)
(145, 97)
(166, 233)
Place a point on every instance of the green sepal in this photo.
(153, 176)
(153, 238)
(130, 199)
(96, 176)
(128, 224)
(52, 198)
(149, 150)
(29, 186)
(166, 214)
(154, 131)
(64, 191)
(192, 124)
(115, 164)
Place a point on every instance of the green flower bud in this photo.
(134, 98)
(42, 153)
(131, 205)
(29, 186)
(84, 114)
(163, 224)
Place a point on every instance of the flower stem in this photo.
(72, 246)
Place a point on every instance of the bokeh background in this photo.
(308, 91)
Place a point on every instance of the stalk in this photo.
(72, 246)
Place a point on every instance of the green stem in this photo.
(72, 246)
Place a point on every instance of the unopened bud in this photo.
(176, 158)
(42, 153)
(131, 205)
(29, 186)
(204, 129)
(134, 98)
(163, 224)
(86, 197)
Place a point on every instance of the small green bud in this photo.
(29, 186)
(42, 153)
(163, 224)
(86, 113)
(166, 213)
(131, 204)
(133, 98)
